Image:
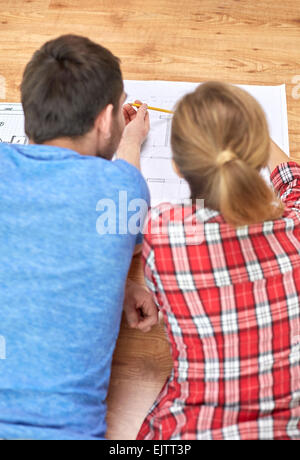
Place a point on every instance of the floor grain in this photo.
(238, 41)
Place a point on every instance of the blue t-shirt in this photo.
(62, 282)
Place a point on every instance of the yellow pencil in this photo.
(153, 108)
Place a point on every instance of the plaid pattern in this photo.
(231, 305)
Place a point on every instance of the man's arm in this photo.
(135, 133)
(139, 306)
(138, 249)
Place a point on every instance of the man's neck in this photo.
(81, 147)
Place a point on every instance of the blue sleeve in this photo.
(144, 191)
(137, 190)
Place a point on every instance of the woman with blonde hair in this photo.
(227, 277)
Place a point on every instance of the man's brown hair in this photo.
(65, 86)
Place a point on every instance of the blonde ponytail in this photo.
(220, 142)
(244, 196)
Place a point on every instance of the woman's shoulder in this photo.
(185, 212)
(184, 223)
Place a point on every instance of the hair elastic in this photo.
(225, 156)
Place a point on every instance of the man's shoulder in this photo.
(130, 176)
(6, 146)
(127, 169)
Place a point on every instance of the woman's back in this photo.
(231, 303)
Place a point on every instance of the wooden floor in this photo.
(238, 41)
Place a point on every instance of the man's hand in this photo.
(135, 133)
(140, 309)
(137, 123)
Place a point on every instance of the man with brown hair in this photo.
(63, 266)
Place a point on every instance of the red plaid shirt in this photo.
(231, 305)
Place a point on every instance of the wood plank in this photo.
(238, 41)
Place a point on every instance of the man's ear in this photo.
(104, 121)
(176, 169)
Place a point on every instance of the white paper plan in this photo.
(12, 124)
(156, 164)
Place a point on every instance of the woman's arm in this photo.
(277, 156)
(285, 177)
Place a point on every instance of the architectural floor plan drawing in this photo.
(12, 124)
(156, 164)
